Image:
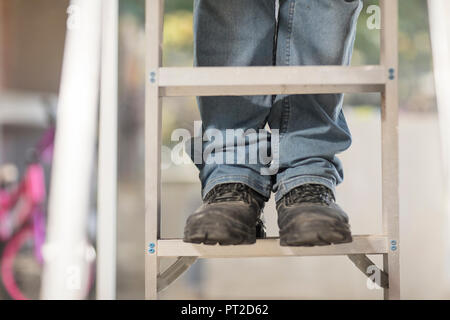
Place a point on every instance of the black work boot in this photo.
(309, 216)
(230, 214)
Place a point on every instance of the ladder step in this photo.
(362, 244)
(212, 81)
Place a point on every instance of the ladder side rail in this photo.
(390, 158)
(153, 118)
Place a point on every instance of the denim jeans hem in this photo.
(285, 186)
(252, 182)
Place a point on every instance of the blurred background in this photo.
(32, 35)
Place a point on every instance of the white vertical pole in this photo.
(440, 42)
(107, 161)
(66, 270)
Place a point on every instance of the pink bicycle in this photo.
(22, 224)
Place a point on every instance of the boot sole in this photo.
(317, 232)
(222, 231)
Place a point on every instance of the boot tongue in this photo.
(311, 193)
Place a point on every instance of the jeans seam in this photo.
(289, 36)
(285, 113)
(349, 41)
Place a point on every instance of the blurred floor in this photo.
(424, 228)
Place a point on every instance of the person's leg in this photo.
(233, 33)
(312, 127)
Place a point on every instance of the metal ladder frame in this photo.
(211, 81)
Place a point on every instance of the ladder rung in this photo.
(211, 81)
(362, 244)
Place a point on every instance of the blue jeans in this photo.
(312, 128)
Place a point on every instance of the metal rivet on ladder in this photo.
(151, 247)
(393, 245)
(391, 74)
(152, 77)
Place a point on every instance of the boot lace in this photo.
(230, 192)
(310, 193)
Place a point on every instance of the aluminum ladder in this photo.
(213, 81)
